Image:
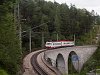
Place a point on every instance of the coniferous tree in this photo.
(10, 52)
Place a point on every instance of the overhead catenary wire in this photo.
(36, 27)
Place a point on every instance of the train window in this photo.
(56, 43)
(48, 43)
(67, 43)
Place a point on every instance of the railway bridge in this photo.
(78, 55)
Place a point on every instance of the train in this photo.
(58, 44)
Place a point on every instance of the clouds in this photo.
(91, 3)
(88, 4)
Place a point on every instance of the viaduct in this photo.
(78, 55)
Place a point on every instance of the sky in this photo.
(87, 4)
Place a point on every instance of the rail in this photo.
(36, 66)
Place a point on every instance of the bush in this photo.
(2, 72)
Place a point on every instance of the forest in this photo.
(54, 19)
(47, 21)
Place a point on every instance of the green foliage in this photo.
(96, 56)
(93, 63)
(10, 52)
(98, 71)
(88, 38)
(62, 19)
(2, 72)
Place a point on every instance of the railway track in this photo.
(36, 66)
(40, 70)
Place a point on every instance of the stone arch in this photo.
(49, 61)
(73, 62)
(60, 63)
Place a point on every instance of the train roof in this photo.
(60, 41)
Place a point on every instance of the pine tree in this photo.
(10, 52)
